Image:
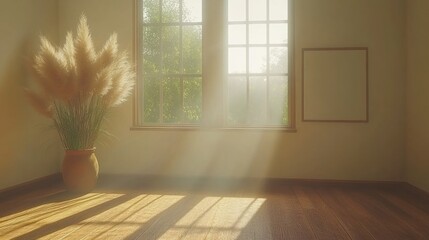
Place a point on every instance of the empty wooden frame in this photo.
(335, 84)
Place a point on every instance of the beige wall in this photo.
(356, 151)
(372, 151)
(28, 150)
(417, 139)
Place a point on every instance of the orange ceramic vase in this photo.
(80, 170)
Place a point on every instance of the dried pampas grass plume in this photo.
(109, 52)
(51, 69)
(85, 57)
(122, 81)
(79, 85)
(76, 70)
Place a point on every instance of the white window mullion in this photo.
(247, 64)
(268, 112)
(214, 67)
(161, 78)
(182, 105)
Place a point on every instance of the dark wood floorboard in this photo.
(349, 219)
(388, 217)
(286, 211)
(322, 220)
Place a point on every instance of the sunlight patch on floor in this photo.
(119, 220)
(43, 215)
(136, 217)
(215, 216)
(117, 216)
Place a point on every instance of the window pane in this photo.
(171, 50)
(192, 99)
(170, 11)
(237, 60)
(192, 49)
(151, 50)
(170, 59)
(278, 9)
(257, 10)
(279, 60)
(151, 12)
(257, 33)
(257, 100)
(192, 11)
(237, 100)
(237, 34)
(277, 100)
(236, 10)
(172, 100)
(257, 59)
(278, 33)
(151, 101)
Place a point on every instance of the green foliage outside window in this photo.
(172, 64)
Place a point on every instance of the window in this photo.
(171, 61)
(257, 62)
(242, 47)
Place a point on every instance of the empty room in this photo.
(214, 119)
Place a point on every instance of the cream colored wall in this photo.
(27, 148)
(417, 139)
(352, 151)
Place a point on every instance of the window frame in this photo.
(218, 118)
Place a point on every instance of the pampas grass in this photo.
(78, 85)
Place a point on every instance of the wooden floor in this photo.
(288, 211)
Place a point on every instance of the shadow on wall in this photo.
(13, 107)
(25, 136)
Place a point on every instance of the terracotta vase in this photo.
(80, 170)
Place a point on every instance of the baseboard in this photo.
(227, 183)
(417, 190)
(334, 181)
(155, 181)
(31, 185)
